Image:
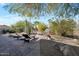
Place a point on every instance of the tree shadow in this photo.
(52, 48)
(72, 36)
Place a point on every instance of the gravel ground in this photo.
(14, 47)
(37, 47)
(52, 48)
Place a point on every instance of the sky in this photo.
(8, 19)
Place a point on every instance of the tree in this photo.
(20, 26)
(62, 27)
(38, 9)
(68, 26)
(41, 27)
(66, 10)
(13, 29)
(60, 10)
(53, 26)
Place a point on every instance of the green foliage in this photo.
(60, 10)
(68, 26)
(13, 29)
(62, 27)
(40, 26)
(36, 22)
(66, 10)
(37, 9)
(21, 26)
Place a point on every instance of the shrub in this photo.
(62, 27)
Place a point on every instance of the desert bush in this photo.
(62, 27)
(41, 27)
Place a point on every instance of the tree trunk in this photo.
(28, 29)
